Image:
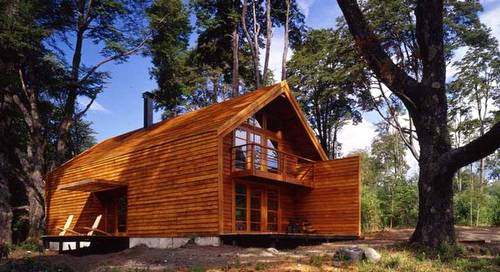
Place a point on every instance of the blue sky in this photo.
(119, 108)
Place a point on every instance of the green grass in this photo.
(316, 260)
(410, 260)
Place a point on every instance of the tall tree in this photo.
(426, 101)
(389, 153)
(110, 23)
(28, 78)
(252, 34)
(169, 21)
(477, 81)
(326, 74)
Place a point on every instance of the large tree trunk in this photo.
(426, 102)
(36, 207)
(5, 209)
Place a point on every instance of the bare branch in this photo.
(115, 57)
(87, 107)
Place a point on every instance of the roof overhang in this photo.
(92, 185)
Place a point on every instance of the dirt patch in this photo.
(482, 242)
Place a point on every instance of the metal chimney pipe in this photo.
(148, 109)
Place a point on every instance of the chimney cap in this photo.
(147, 95)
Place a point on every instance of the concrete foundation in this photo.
(173, 242)
(67, 245)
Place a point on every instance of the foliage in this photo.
(325, 73)
(28, 246)
(389, 196)
(169, 22)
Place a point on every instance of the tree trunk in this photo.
(435, 214)
(69, 103)
(254, 43)
(235, 86)
(286, 41)
(269, 34)
(5, 211)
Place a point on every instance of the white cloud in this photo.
(355, 137)
(305, 5)
(276, 53)
(490, 18)
(83, 102)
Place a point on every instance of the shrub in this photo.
(316, 260)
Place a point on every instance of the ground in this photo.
(481, 253)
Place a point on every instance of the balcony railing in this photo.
(257, 160)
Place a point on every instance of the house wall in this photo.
(172, 188)
(287, 194)
(333, 206)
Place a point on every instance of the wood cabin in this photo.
(248, 166)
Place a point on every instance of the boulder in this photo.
(372, 255)
(273, 250)
(352, 254)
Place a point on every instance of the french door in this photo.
(256, 208)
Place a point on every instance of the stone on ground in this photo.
(352, 254)
(372, 255)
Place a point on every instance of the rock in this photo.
(353, 254)
(372, 255)
(273, 250)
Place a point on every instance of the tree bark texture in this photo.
(426, 103)
(269, 35)
(5, 209)
(235, 85)
(286, 41)
(253, 42)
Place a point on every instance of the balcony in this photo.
(255, 160)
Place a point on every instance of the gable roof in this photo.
(219, 118)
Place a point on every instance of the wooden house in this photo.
(249, 166)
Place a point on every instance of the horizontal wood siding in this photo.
(333, 206)
(172, 188)
(227, 184)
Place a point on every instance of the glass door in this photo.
(256, 208)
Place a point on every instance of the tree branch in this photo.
(117, 56)
(471, 152)
(402, 85)
(82, 112)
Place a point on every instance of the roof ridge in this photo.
(167, 121)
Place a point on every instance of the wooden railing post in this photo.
(284, 165)
(252, 158)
